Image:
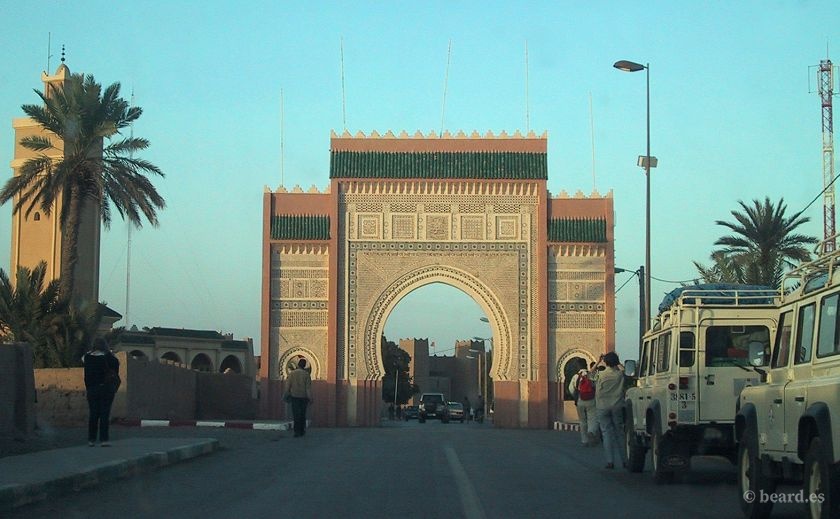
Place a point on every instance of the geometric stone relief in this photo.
(369, 225)
(472, 227)
(506, 227)
(403, 226)
(437, 227)
(376, 270)
(576, 320)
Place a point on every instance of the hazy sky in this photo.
(733, 117)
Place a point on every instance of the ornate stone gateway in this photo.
(403, 212)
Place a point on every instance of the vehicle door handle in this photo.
(800, 399)
(777, 400)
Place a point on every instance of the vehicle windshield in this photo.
(730, 345)
(432, 399)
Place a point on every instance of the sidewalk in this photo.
(52, 468)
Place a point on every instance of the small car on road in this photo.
(456, 411)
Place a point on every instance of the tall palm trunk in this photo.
(69, 242)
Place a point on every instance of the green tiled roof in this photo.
(439, 165)
(184, 332)
(577, 230)
(300, 227)
(136, 338)
(235, 345)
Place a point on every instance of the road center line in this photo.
(469, 499)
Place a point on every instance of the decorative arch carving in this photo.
(309, 355)
(569, 355)
(472, 286)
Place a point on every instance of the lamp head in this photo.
(628, 66)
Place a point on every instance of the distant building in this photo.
(201, 350)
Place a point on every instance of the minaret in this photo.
(37, 237)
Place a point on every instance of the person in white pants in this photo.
(587, 417)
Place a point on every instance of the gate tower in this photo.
(405, 211)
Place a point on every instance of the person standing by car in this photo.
(299, 394)
(101, 376)
(609, 400)
(467, 408)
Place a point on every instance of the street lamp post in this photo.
(647, 162)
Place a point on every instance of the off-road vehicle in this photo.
(789, 428)
(433, 405)
(692, 368)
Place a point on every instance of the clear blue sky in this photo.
(732, 119)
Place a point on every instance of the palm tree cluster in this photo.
(762, 247)
(34, 313)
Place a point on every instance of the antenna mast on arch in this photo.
(445, 85)
(825, 88)
(282, 138)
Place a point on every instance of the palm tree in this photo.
(27, 309)
(763, 245)
(82, 116)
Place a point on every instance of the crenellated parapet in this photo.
(563, 195)
(313, 190)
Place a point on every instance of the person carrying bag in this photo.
(102, 380)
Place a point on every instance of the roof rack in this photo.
(822, 267)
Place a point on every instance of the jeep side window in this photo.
(664, 353)
(686, 349)
(827, 340)
(652, 356)
(782, 348)
(804, 334)
(643, 360)
(730, 345)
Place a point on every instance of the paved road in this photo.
(402, 470)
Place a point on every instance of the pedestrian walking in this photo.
(582, 387)
(299, 394)
(609, 406)
(467, 409)
(102, 380)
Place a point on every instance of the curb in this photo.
(262, 426)
(15, 495)
(561, 426)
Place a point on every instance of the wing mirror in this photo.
(630, 368)
(757, 354)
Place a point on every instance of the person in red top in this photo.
(98, 363)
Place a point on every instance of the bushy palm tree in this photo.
(27, 310)
(762, 247)
(81, 117)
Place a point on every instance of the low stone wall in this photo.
(61, 397)
(17, 391)
(226, 395)
(150, 390)
(159, 390)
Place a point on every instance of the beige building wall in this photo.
(37, 236)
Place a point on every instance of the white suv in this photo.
(789, 428)
(692, 367)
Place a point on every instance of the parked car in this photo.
(456, 411)
(410, 412)
(788, 428)
(433, 405)
(693, 367)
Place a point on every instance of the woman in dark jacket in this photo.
(98, 363)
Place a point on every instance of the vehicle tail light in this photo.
(683, 382)
(672, 416)
(672, 386)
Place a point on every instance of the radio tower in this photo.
(825, 83)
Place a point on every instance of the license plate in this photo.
(684, 396)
